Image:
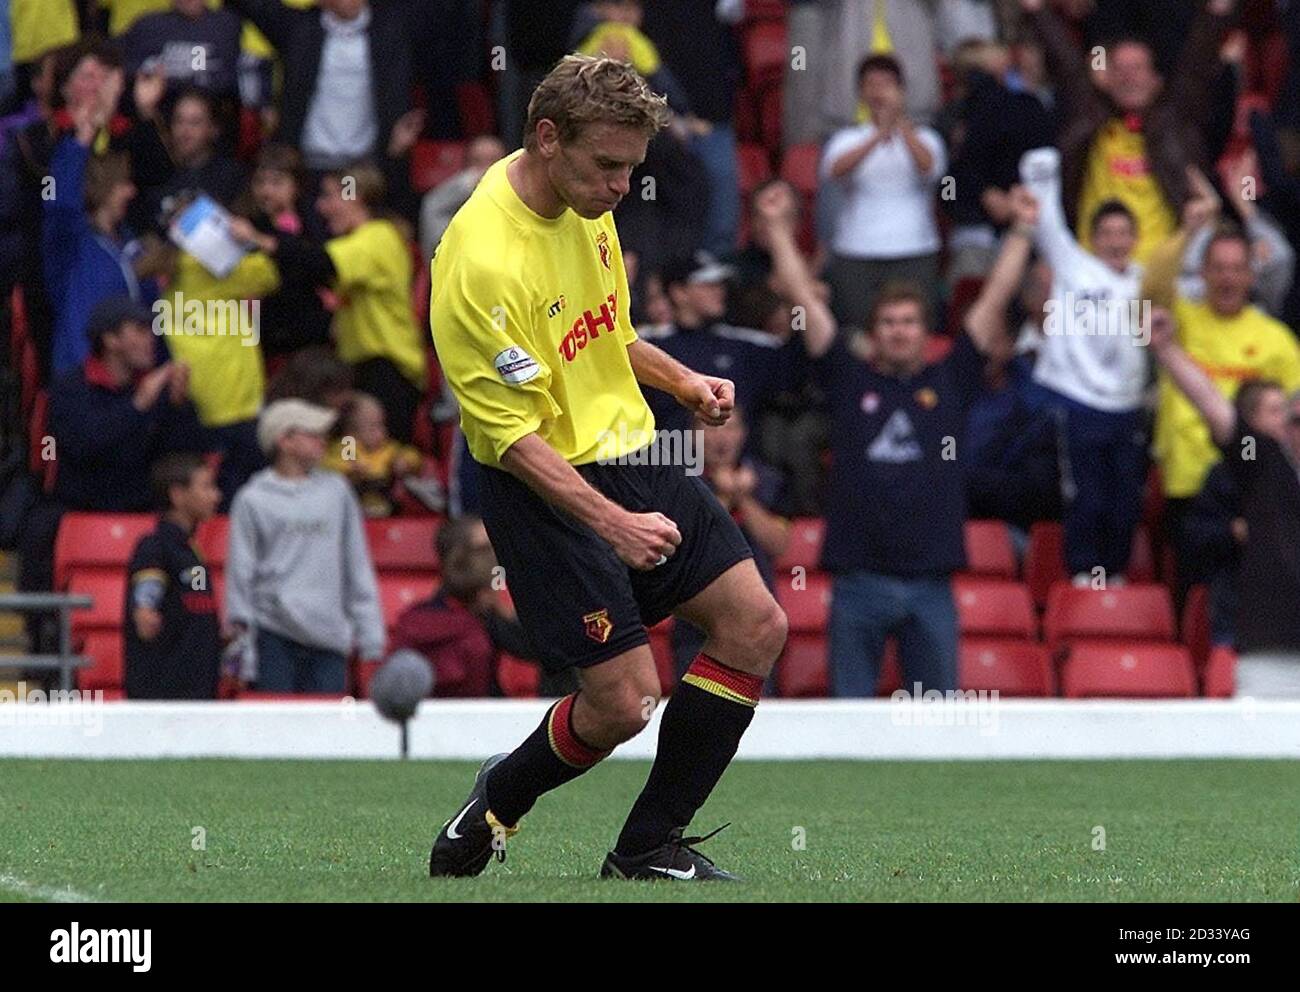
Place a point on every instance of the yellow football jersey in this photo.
(1251, 345)
(530, 322)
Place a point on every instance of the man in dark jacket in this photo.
(1134, 139)
(115, 415)
(347, 79)
(109, 420)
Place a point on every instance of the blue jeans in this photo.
(284, 665)
(1104, 471)
(867, 607)
(717, 153)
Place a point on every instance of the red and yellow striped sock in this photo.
(732, 684)
(698, 736)
(551, 755)
(566, 744)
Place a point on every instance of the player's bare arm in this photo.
(708, 397)
(641, 540)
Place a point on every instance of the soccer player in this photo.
(599, 538)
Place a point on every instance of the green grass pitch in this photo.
(815, 831)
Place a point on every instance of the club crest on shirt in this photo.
(870, 402)
(602, 243)
(927, 398)
(598, 625)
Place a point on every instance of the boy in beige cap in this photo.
(299, 581)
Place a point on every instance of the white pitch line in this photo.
(45, 893)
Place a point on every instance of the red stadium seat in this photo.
(433, 162)
(802, 672)
(1009, 667)
(1195, 631)
(105, 649)
(107, 588)
(403, 544)
(518, 679)
(765, 53)
(994, 608)
(799, 167)
(254, 696)
(805, 547)
(765, 10)
(1095, 669)
(213, 538)
(989, 550)
(103, 540)
(1044, 560)
(397, 592)
(755, 169)
(1142, 559)
(808, 609)
(1129, 612)
(1219, 680)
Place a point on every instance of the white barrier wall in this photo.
(472, 729)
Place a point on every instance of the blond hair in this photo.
(584, 89)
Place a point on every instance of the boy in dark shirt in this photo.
(1260, 441)
(173, 641)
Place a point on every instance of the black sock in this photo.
(550, 756)
(698, 736)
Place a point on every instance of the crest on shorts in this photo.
(598, 626)
(602, 242)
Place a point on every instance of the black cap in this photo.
(110, 314)
(696, 268)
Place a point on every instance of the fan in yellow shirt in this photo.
(1118, 169)
(369, 264)
(371, 460)
(38, 26)
(1231, 340)
(212, 327)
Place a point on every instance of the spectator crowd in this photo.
(1021, 260)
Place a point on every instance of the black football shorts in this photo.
(577, 600)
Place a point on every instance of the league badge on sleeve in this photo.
(516, 366)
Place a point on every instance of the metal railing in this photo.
(48, 602)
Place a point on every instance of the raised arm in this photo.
(1199, 389)
(986, 319)
(1065, 62)
(1159, 281)
(790, 272)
